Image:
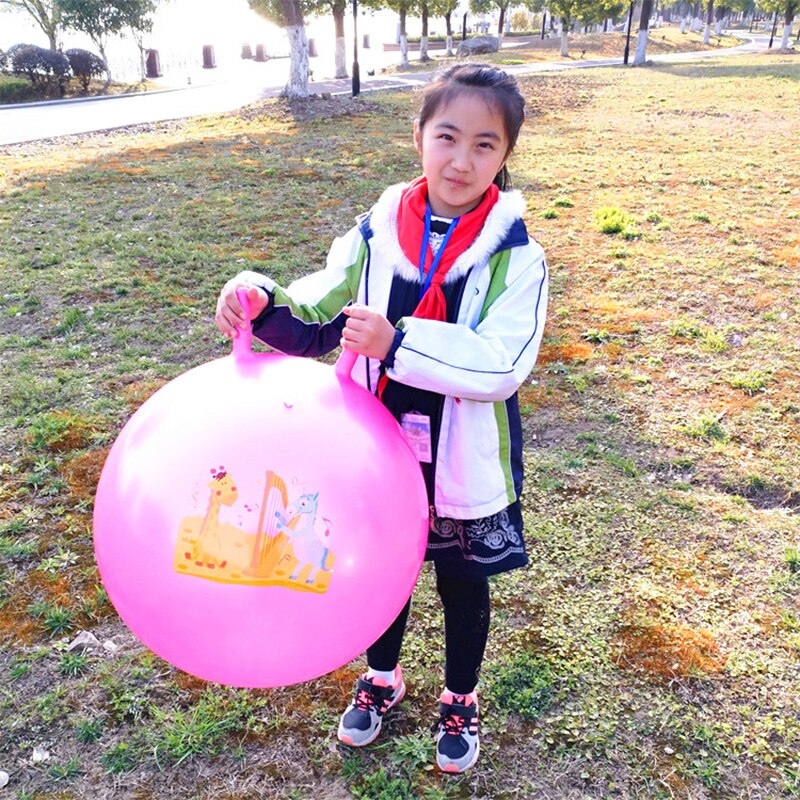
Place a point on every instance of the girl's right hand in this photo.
(230, 315)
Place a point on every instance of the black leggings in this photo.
(466, 629)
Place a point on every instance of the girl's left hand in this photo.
(367, 332)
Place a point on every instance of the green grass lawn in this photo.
(651, 649)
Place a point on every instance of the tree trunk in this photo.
(788, 19)
(641, 40)
(297, 85)
(501, 21)
(449, 27)
(403, 40)
(340, 52)
(564, 36)
(423, 42)
(98, 43)
(709, 20)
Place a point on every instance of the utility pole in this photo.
(356, 76)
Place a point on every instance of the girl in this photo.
(442, 294)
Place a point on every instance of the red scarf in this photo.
(410, 232)
(411, 229)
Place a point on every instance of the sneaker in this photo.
(361, 722)
(457, 744)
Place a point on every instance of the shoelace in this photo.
(454, 723)
(368, 696)
(364, 700)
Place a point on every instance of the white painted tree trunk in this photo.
(340, 58)
(423, 49)
(787, 32)
(707, 34)
(718, 28)
(297, 85)
(697, 24)
(683, 25)
(449, 51)
(641, 49)
(403, 50)
(564, 40)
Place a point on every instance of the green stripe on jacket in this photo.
(330, 305)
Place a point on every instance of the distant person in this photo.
(442, 293)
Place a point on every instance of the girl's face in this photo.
(463, 146)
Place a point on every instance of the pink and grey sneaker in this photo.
(457, 744)
(361, 722)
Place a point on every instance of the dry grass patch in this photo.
(661, 452)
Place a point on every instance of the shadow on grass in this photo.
(788, 70)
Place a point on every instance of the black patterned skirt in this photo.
(472, 549)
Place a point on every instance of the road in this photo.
(36, 121)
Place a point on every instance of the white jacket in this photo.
(477, 364)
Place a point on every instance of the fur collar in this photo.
(383, 221)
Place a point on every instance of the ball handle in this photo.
(243, 340)
(345, 363)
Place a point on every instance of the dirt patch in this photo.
(668, 650)
(83, 472)
(548, 94)
(308, 108)
(136, 393)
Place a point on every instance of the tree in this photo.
(570, 10)
(788, 8)
(99, 19)
(46, 13)
(445, 8)
(139, 20)
(487, 6)
(403, 9)
(289, 15)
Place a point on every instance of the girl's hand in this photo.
(367, 332)
(230, 315)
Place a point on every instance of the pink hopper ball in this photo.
(260, 520)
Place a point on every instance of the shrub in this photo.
(40, 66)
(85, 65)
(613, 220)
(3, 61)
(14, 90)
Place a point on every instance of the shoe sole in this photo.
(345, 739)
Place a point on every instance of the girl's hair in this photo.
(499, 89)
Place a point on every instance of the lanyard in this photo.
(426, 277)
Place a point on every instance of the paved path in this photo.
(36, 121)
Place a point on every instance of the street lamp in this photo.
(356, 76)
(628, 36)
(774, 28)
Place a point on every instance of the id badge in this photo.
(417, 430)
